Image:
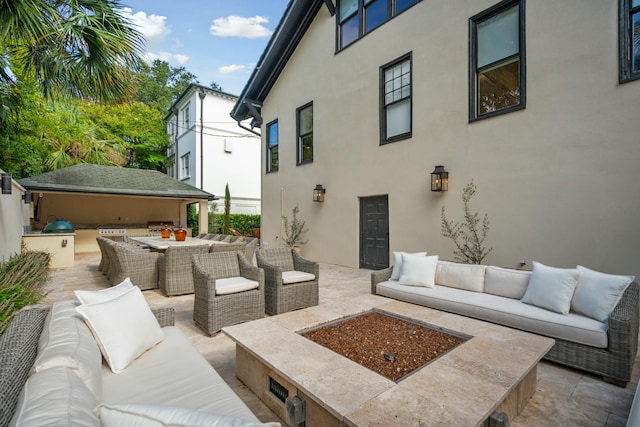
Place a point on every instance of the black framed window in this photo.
(395, 100)
(272, 146)
(304, 121)
(358, 17)
(629, 43)
(497, 80)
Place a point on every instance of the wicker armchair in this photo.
(174, 268)
(141, 266)
(230, 247)
(103, 267)
(218, 303)
(288, 282)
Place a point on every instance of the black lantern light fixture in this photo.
(26, 197)
(318, 193)
(6, 183)
(439, 179)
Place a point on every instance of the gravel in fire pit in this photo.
(387, 345)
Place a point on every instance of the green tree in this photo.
(159, 84)
(227, 210)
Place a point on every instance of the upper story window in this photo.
(395, 94)
(185, 118)
(184, 166)
(497, 60)
(629, 40)
(272, 146)
(358, 17)
(305, 133)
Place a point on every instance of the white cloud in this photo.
(171, 58)
(153, 27)
(239, 26)
(232, 69)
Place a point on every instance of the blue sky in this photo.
(217, 40)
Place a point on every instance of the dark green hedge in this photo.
(241, 222)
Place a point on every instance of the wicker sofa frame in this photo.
(18, 350)
(615, 363)
(279, 298)
(212, 312)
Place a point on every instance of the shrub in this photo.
(21, 282)
(242, 222)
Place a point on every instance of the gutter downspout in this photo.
(201, 95)
(248, 129)
(175, 155)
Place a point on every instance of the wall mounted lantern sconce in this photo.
(318, 193)
(6, 183)
(26, 197)
(439, 179)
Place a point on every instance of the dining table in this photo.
(161, 244)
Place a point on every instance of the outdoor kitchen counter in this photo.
(61, 246)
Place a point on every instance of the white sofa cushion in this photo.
(142, 415)
(293, 276)
(397, 263)
(551, 288)
(174, 373)
(67, 341)
(506, 282)
(504, 311)
(469, 277)
(598, 293)
(123, 327)
(232, 285)
(418, 270)
(93, 297)
(55, 397)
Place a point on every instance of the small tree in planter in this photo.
(468, 239)
(293, 230)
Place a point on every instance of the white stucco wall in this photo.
(558, 179)
(12, 221)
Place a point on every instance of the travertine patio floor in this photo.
(564, 397)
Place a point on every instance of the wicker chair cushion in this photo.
(67, 341)
(232, 285)
(293, 276)
(598, 293)
(418, 270)
(56, 396)
(469, 277)
(124, 328)
(93, 297)
(506, 282)
(397, 263)
(551, 288)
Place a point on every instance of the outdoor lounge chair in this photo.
(174, 267)
(228, 290)
(291, 282)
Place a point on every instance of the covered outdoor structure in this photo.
(110, 200)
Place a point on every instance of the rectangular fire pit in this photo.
(389, 345)
(493, 372)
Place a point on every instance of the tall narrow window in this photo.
(185, 167)
(497, 60)
(629, 40)
(395, 92)
(272, 146)
(305, 133)
(185, 119)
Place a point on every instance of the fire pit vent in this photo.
(278, 390)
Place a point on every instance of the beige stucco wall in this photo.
(558, 179)
(60, 246)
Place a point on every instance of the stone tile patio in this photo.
(564, 397)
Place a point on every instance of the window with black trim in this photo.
(395, 100)
(272, 146)
(629, 40)
(358, 17)
(304, 124)
(497, 60)
(185, 166)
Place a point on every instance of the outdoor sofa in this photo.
(592, 316)
(52, 370)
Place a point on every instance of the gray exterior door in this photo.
(374, 232)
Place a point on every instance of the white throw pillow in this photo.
(397, 263)
(598, 293)
(67, 341)
(93, 297)
(418, 270)
(551, 288)
(123, 327)
(469, 277)
(55, 397)
(142, 415)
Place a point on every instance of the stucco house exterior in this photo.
(537, 102)
(209, 150)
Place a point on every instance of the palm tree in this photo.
(83, 47)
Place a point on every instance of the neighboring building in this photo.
(209, 150)
(536, 101)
